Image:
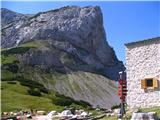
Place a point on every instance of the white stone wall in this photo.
(142, 60)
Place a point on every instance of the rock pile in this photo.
(144, 116)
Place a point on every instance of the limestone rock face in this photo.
(81, 27)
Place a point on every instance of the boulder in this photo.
(144, 116)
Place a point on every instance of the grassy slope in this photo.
(15, 97)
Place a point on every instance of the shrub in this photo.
(32, 84)
(62, 100)
(16, 50)
(7, 75)
(29, 83)
(115, 106)
(83, 103)
(67, 101)
(11, 67)
(12, 82)
(9, 59)
(34, 92)
(44, 90)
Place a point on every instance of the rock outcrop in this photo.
(144, 116)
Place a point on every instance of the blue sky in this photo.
(124, 22)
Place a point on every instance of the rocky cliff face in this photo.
(69, 29)
(72, 39)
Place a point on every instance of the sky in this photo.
(123, 21)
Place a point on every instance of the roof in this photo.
(151, 40)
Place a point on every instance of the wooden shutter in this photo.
(155, 82)
(143, 84)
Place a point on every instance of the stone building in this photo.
(143, 73)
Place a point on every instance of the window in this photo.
(149, 83)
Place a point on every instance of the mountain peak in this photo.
(70, 28)
(69, 44)
(9, 16)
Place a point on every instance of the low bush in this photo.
(12, 82)
(34, 92)
(29, 83)
(11, 67)
(44, 90)
(115, 106)
(67, 101)
(9, 59)
(7, 75)
(16, 50)
(32, 84)
(62, 102)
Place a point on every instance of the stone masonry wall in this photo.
(142, 60)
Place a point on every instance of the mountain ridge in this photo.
(70, 42)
